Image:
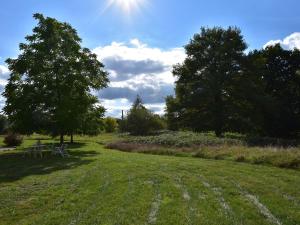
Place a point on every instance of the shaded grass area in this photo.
(208, 146)
(14, 166)
(99, 186)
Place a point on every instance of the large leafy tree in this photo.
(206, 97)
(51, 80)
(277, 73)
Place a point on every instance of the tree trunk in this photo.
(218, 116)
(72, 140)
(218, 132)
(61, 138)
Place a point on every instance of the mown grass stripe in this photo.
(260, 206)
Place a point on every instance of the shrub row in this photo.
(184, 139)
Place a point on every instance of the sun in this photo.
(127, 6)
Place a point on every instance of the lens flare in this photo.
(127, 6)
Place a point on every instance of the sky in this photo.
(139, 40)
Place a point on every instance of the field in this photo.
(233, 147)
(101, 186)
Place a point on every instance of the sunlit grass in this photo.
(100, 186)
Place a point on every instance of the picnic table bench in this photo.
(61, 150)
(38, 149)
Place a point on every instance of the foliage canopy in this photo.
(221, 88)
(52, 79)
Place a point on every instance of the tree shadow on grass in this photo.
(14, 166)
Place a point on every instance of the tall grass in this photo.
(206, 145)
(279, 157)
(185, 139)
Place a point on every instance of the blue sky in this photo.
(158, 28)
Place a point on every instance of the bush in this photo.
(240, 158)
(268, 141)
(110, 125)
(13, 139)
(141, 121)
(291, 163)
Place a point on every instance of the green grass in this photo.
(100, 186)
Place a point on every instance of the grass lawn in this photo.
(101, 186)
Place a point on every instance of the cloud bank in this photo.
(290, 42)
(4, 74)
(137, 69)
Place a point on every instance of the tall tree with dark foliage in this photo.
(51, 80)
(279, 80)
(206, 81)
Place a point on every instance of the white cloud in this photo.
(114, 107)
(137, 43)
(136, 50)
(4, 73)
(290, 42)
(135, 69)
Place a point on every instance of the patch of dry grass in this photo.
(148, 149)
(279, 157)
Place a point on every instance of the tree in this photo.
(141, 121)
(52, 79)
(205, 88)
(93, 123)
(172, 113)
(278, 82)
(110, 124)
(3, 124)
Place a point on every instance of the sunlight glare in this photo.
(127, 6)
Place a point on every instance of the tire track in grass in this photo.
(127, 196)
(144, 191)
(186, 196)
(74, 214)
(152, 218)
(135, 203)
(179, 184)
(102, 189)
(124, 189)
(218, 193)
(210, 197)
(173, 208)
(292, 199)
(156, 202)
(260, 206)
(98, 200)
(238, 208)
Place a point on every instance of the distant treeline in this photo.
(222, 87)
